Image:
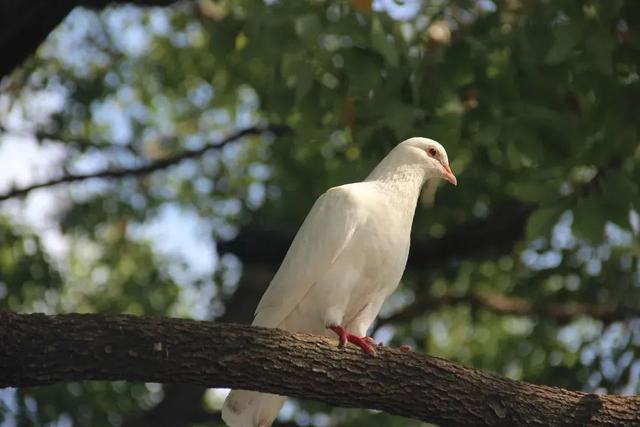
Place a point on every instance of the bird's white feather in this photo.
(324, 234)
(244, 408)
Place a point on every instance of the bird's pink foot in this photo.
(365, 343)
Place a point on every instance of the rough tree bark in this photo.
(181, 405)
(36, 349)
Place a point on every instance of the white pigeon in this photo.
(346, 259)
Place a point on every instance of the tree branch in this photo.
(37, 349)
(559, 312)
(24, 25)
(181, 405)
(147, 168)
(43, 136)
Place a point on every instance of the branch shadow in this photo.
(586, 410)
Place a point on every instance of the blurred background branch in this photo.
(562, 313)
(149, 167)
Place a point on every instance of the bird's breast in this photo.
(381, 247)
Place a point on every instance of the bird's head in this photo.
(432, 155)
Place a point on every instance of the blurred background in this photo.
(529, 268)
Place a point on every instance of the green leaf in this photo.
(399, 116)
(600, 48)
(618, 189)
(297, 73)
(363, 73)
(308, 28)
(567, 38)
(541, 222)
(534, 191)
(304, 80)
(384, 43)
(589, 218)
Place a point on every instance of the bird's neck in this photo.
(406, 179)
(400, 181)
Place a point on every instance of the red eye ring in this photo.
(432, 152)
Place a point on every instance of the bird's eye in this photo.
(432, 152)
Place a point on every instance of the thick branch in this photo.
(561, 313)
(181, 405)
(150, 167)
(24, 25)
(38, 350)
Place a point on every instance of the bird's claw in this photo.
(370, 340)
(365, 343)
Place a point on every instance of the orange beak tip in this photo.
(449, 176)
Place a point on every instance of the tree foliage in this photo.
(536, 103)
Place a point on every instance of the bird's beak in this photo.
(449, 176)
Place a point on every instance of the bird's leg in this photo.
(365, 343)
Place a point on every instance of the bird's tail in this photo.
(244, 408)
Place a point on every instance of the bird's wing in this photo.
(327, 230)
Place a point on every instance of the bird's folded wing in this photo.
(327, 230)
